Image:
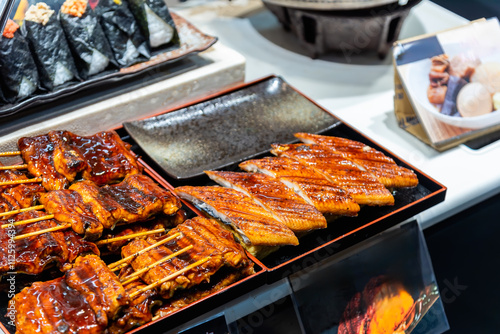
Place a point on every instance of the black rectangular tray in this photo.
(341, 233)
(180, 316)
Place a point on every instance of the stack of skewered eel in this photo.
(78, 190)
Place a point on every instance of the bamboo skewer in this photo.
(52, 229)
(29, 221)
(13, 183)
(10, 154)
(130, 236)
(23, 166)
(135, 275)
(117, 265)
(14, 212)
(169, 277)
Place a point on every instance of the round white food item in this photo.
(474, 99)
(488, 74)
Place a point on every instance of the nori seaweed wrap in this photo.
(90, 47)
(48, 46)
(127, 42)
(18, 72)
(155, 22)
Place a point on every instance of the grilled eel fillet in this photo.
(108, 158)
(252, 223)
(282, 202)
(40, 153)
(364, 188)
(100, 287)
(19, 196)
(136, 198)
(207, 239)
(54, 307)
(381, 166)
(89, 208)
(140, 309)
(34, 254)
(187, 297)
(67, 206)
(59, 157)
(85, 300)
(312, 186)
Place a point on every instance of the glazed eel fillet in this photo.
(91, 209)
(85, 300)
(36, 253)
(282, 202)
(381, 166)
(207, 237)
(312, 186)
(364, 188)
(253, 225)
(19, 196)
(60, 157)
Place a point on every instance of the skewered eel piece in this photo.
(34, 254)
(91, 209)
(15, 197)
(85, 300)
(207, 238)
(60, 157)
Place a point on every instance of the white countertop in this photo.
(362, 95)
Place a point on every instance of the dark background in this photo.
(465, 249)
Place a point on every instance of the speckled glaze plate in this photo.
(230, 127)
(192, 40)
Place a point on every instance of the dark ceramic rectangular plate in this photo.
(193, 41)
(227, 128)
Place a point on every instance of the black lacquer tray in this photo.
(318, 245)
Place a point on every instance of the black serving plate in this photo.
(320, 244)
(192, 41)
(234, 126)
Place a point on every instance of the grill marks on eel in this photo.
(364, 188)
(282, 202)
(255, 225)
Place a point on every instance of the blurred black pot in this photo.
(350, 27)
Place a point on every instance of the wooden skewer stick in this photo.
(14, 212)
(13, 183)
(156, 317)
(52, 229)
(130, 236)
(113, 266)
(168, 278)
(23, 166)
(10, 154)
(135, 275)
(28, 221)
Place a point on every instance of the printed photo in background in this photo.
(387, 285)
(452, 79)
